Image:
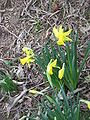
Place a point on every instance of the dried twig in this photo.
(10, 31)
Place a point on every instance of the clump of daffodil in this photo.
(29, 56)
(61, 35)
(86, 102)
(61, 72)
(50, 66)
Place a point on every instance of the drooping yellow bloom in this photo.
(29, 56)
(50, 66)
(86, 102)
(61, 72)
(61, 35)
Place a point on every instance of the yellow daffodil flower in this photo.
(86, 102)
(61, 72)
(29, 56)
(61, 35)
(50, 66)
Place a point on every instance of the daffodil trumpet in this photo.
(61, 72)
(50, 66)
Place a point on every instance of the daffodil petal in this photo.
(31, 52)
(68, 32)
(50, 66)
(60, 42)
(68, 39)
(61, 73)
(49, 69)
(28, 51)
(60, 29)
(24, 49)
(24, 60)
(30, 60)
(55, 31)
(29, 56)
(53, 64)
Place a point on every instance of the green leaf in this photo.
(62, 54)
(64, 97)
(47, 53)
(49, 79)
(50, 99)
(39, 61)
(53, 50)
(77, 112)
(55, 81)
(6, 83)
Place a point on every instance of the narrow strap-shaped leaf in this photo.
(62, 53)
(47, 52)
(58, 110)
(40, 62)
(64, 97)
(49, 79)
(54, 52)
(51, 100)
(68, 78)
(45, 57)
(74, 74)
(69, 58)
